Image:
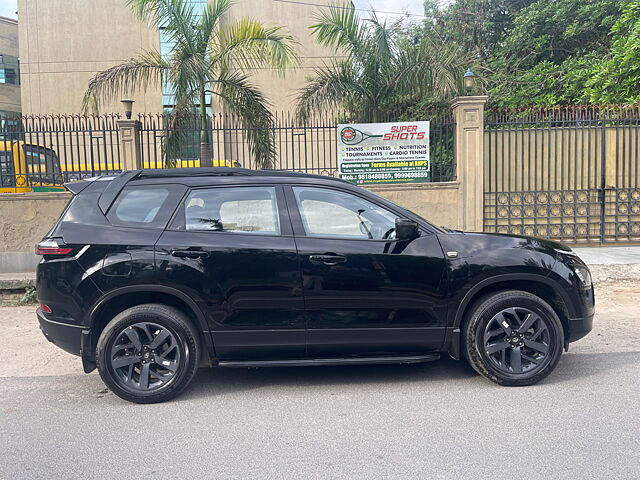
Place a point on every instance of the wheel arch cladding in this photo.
(119, 300)
(537, 285)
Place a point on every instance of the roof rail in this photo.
(194, 172)
(226, 171)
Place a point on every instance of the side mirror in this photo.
(406, 229)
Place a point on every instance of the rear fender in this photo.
(190, 302)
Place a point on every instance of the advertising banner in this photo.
(374, 153)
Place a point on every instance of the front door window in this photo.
(330, 213)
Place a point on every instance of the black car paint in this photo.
(260, 297)
(384, 298)
(252, 296)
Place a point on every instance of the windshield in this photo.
(43, 164)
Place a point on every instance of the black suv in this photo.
(150, 274)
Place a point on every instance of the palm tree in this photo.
(383, 68)
(208, 58)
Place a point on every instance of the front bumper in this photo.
(67, 337)
(579, 327)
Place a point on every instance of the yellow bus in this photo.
(25, 167)
(28, 168)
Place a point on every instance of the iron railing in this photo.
(569, 173)
(309, 147)
(41, 151)
(86, 146)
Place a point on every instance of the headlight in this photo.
(568, 252)
(583, 274)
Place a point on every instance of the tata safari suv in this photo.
(151, 274)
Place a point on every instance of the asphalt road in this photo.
(431, 421)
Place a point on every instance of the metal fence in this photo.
(37, 152)
(84, 146)
(309, 147)
(569, 173)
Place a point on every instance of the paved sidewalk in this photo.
(615, 255)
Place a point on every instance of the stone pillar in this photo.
(469, 153)
(131, 154)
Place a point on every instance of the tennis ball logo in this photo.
(348, 134)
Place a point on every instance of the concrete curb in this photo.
(17, 281)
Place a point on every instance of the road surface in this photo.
(431, 421)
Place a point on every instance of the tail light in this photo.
(51, 247)
(45, 308)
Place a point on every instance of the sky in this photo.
(8, 7)
(410, 6)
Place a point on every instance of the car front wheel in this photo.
(148, 353)
(513, 338)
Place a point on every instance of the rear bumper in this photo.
(67, 337)
(579, 327)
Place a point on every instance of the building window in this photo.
(9, 69)
(10, 125)
(166, 48)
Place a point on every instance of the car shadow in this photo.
(221, 381)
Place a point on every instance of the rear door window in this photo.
(148, 206)
(233, 209)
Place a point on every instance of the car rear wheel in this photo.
(513, 338)
(148, 353)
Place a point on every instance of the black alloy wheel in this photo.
(146, 357)
(516, 340)
(148, 353)
(513, 337)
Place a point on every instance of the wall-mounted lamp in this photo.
(128, 108)
(469, 81)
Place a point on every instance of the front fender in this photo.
(514, 277)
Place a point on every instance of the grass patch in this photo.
(30, 297)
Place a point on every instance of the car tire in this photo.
(148, 353)
(513, 338)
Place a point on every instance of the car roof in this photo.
(199, 177)
(193, 177)
(196, 175)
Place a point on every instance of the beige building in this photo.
(9, 68)
(65, 42)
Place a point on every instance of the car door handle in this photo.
(189, 253)
(328, 259)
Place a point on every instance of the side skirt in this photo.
(318, 362)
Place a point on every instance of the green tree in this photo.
(547, 56)
(477, 26)
(616, 79)
(544, 52)
(207, 58)
(382, 68)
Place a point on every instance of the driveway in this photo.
(431, 421)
